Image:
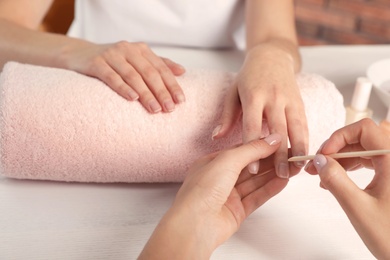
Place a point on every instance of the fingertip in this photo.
(309, 168)
(273, 139)
(299, 164)
(253, 167)
(215, 133)
(179, 98)
(132, 95)
(220, 131)
(319, 162)
(283, 171)
(153, 106)
(176, 69)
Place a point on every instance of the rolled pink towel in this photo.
(60, 125)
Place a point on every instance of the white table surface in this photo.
(54, 220)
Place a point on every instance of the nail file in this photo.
(341, 155)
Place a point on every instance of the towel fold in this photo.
(60, 125)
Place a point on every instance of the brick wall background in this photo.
(343, 21)
(318, 22)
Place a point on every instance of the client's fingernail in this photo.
(319, 161)
(154, 106)
(254, 167)
(169, 106)
(216, 131)
(180, 98)
(273, 139)
(283, 171)
(308, 165)
(133, 95)
(299, 164)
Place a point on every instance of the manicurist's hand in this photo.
(214, 200)
(132, 70)
(367, 209)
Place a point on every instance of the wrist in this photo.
(67, 52)
(180, 235)
(279, 50)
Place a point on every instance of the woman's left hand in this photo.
(214, 200)
(266, 88)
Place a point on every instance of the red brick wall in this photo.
(343, 21)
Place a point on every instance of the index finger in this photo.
(236, 159)
(364, 132)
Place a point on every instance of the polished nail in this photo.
(180, 98)
(154, 106)
(216, 131)
(169, 106)
(283, 171)
(319, 161)
(308, 165)
(273, 139)
(133, 95)
(254, 167)
(299, 164)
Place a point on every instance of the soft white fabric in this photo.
(200, 23)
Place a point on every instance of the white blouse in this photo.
(188, 23)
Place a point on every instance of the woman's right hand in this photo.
(130, 69)
(367, 209)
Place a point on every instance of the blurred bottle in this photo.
(359, 104)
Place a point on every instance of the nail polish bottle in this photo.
(361, 95)
(385, 123)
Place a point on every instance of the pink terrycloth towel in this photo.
(60, 125)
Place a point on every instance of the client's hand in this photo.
(130, 69)
(368, 209)
(214, 200)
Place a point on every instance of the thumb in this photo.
(230, 114)
(335, 179)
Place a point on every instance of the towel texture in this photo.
(60, 125)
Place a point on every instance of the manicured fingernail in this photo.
(273, 139)
(181, 66)
(154, 106)
(133, 95)
(169, 106)
(253, 167)
(319, 162)
(308, 165)
(299, 164)
(283, 171)
(216, 131)
(180, 98)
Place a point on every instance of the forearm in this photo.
(20, 44)
(270, 24)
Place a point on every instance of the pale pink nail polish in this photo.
(154, 106)
(254, 167)
(319, 161)
(273, 139)
(133, 96)
(299, 164)
(169, 106)
(283, 171)
(216, 131)
(180, 98)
